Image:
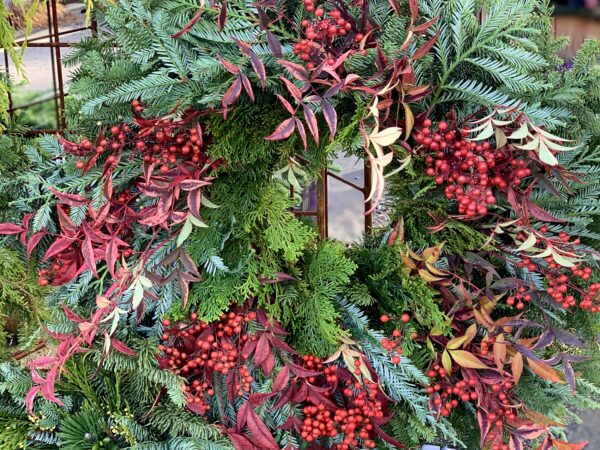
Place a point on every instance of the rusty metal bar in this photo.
(54, 81)
(59, 74)
(48, 36)
(322, 204)
(37, 102)
(305, 213)
(343, 180)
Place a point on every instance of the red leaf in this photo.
(222, 15)
(57, 246)
(425, 26)
(10, 228)
(296, 70)
(30, 397)
(188, 26)
(34, 241)
(283, 131)
(233, 93)
(70, 199)
(274, 45)
(262, 350)
(112, 254)
(542, 215)
(330, 116)
(259, 68)
(122, 348)
(292, 88)
(311, 121)
(240, 442)
(40, 363)
(395, 6)
(247, 86)
(414, 9)
(71, 315)
(282, 379)
(87, 250)
(261, 436)
(184, 290)
(268, 364)
(425, 48)
(231, 68)
(302, 372)
(287, 105)
(301, 132)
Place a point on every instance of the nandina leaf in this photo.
(268, 364)
(542, 215)
(517, 367)
(121, 347)
(301, 132)
(274, 45)
(233, 93)
(48, 388)
(188, 26)
(515, 443)
(10, 228)
(281, 380)
(222, 15)
(292, 88)
(40, 363)
(318, 398)
(387, 438)
(261, 436)
(414, 10)
(467, 359)
(87, 250)
(302, 372)
(240, 442)
(562, 445)
(184, 290)
(70, 199)
(30, 397)
(287, 105)
(262, 350)
(57, 246)
(296, 70)
(71, 315)
(231, 68)
(330, 116)
(544, 371)
(531, 431)
(425, 26)
(259, 68)
(395, 6)
(311, 121)
(34, 241)
(247, 85)
(283, 131)
(425, 48)
(111, 256)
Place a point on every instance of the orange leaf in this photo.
(562, 445)
(467, 359)
(517, 367)
(545, 371)
(500, 352)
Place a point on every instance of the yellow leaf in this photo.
(467, 359)
(428, 277)
(528, 243)
(500, 352)
(470, 334)
(435, 332)
(546, 155)
(409, 120)
(542, 419)
(455, 343)
(434, 270)
(517, 367)
(447, 362)
(386, 136)
(408, 262)
(545, 371)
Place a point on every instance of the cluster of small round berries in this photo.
(392, 344)
(519, 298)
(447, 395)
(168, 144)
(320, 33)
(198, 350)
(469, 170)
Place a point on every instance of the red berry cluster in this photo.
(447, 395)
(519, 298)
(392, 344)
(168, 143)
(321, 32)
(469, 170)
(199, 350)
(352, 424)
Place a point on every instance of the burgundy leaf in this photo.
(425, 26)
(268, 364)
(261, 436)
(542, 215)
(274, 45)
(333, 90)
(231, 68)
(87, 250)
(57, 246)
(425, 48)
(71, 315)
(247, 85)
(70, 199)
(34, 241)
(262, 350)
(259, 68)
(301, 132)
(121, 347)
(222, 15)
(292, 88)
(414, 9)
(240, 442)
(311, 121)
(296, 70)
(281, 380)
(188, 26)
(10, 228)
(302, 372)
(233, 93)
(112, 254)
(287, 105)
(283, 131)
(330, 116)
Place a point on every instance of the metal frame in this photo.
(58, 82)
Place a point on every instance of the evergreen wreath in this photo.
(181, 305)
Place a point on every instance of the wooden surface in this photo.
(578, 28)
